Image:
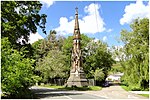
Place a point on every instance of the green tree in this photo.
(99, 75)
(136, 49)
(98, 58)
(37, 49)
(17, 71)
(53, 65)
(68, 45)
(19, 19)
(116, 68)
(43, 46)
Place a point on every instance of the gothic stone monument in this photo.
(77, 76)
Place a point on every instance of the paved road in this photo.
(112, 92)
(47, 93)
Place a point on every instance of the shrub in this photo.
(99, 75)
(17, 71)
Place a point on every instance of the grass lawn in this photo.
(145, 95)
(92, 88)
(125, 87)
(128, 89)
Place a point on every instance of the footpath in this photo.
(140, 92)
(116, 92)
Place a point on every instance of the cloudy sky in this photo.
(102, 20)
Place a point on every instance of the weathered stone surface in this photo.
(77, 76)
(77, 80)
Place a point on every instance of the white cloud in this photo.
(89, 24)
(71, 17)
(135, 10)
(104, 38)
(65, 27)
(109, 30)
(34, 37)
(47, 3)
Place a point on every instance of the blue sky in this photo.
(101, 20)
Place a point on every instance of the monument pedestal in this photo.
(77, 79)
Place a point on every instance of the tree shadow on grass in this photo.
(75, 88)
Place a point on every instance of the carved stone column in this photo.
(77, 76)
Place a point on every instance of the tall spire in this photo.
(77, 76)
(76, 20)
(76, 27)
(76, 10)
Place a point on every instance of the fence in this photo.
(91, 82)
(62, 82)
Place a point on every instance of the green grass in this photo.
(125, 87)
(145, 95)
(53, 86)
(128, 89)
(92, 88)
(95, 88)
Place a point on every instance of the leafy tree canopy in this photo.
(17, 71)
(52, 65)
(98, 58)
(20, 18)
(136, 49)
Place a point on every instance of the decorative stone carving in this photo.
(77, 76)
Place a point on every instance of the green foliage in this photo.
(68, 45)
(116, 68)
(44, 50)
(136, 49)
(98, 57)
(17, 71)
(133, 89)
(94, 54)
(19, 19)
(99, 75)
(55, 61)
(37, 49)
(43, 46)
(126, 88)
(52, 65)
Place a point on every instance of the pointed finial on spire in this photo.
(76, 10)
